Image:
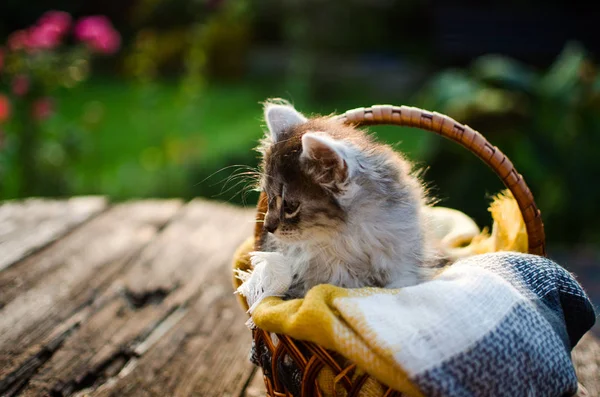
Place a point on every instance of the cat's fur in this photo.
(343, 209)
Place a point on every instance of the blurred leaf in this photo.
(449, 86)
(562, 81)
(504, 72)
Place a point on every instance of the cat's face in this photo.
(306, 172)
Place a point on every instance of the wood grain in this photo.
(62, 285)
(26, 226)
(164, 323)
(204, 354)
(256, 385)
(586, 358)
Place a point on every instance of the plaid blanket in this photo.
(493, 324)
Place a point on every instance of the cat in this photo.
(343, 209)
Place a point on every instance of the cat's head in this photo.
(317, 171)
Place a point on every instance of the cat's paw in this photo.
(271, 276)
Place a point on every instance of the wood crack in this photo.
(12, 384)
(122, 360)
(139, 300)
(249, 381)
(96, 377)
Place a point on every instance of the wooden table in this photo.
(132, 299)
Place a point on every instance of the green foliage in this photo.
(547, 122)
(155, 141)
(150, 140)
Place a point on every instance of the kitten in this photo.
(342, 209)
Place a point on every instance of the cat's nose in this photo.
(271, 224)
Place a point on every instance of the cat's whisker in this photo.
(223, 169)
(234, 175)
(231, 188)
(249, 190)
(246, 177)
(232, 179)
(245, 192)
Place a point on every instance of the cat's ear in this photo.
(280, 117)
(324, 158)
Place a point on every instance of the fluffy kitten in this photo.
(342, 209)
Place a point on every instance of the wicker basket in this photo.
(310, 358)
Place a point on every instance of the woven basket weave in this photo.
(311, 358)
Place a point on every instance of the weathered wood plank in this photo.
(205, 354)
(586, 358)
(177, 287)
(256, 386)
(26, 226)
(49, 294)
(97, 237)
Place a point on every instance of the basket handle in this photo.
(465, 136)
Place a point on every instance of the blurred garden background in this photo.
(161, 98)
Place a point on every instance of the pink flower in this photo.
(44, 37)
(59, 20)
(5, 108)
(45, 34)
(49, 30)
(42, 108)
(18, 40)
(98, 33)
(20, 85)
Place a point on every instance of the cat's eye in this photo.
(291, 208)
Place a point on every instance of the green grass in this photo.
(154, 141)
